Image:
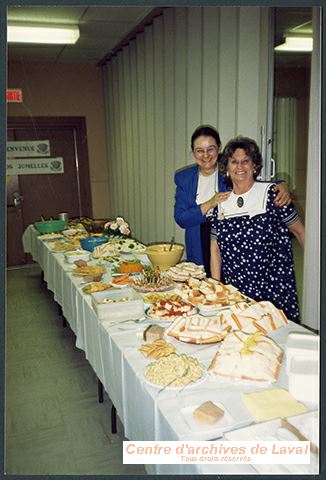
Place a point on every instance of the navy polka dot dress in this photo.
(257, 255)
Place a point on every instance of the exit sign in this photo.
(14, 95)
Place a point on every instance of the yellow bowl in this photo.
(160, 255)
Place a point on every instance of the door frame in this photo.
(80, 138)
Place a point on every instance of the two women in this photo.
(199, 189)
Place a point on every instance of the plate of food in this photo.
(96, 287)
(157, 349)
(132, 246)
(152, 280)
(154, 297)
(64, 247)
(198, 329)
(50, 237)
(174, 372)
(89, 270)
(169, 310)
(210, 417)
(121, 280)
(185, 270)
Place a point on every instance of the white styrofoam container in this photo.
(304, 379)
(301, 344)
(71, 257)
(124, 310)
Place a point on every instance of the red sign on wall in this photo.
(14, 95)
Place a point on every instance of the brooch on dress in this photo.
(240, 202)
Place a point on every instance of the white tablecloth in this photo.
(147, 413)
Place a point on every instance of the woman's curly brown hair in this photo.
(249, 146)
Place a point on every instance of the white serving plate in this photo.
(215, 429)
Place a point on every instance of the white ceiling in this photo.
(101, 29)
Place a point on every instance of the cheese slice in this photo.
(208, 413)
(272, 403)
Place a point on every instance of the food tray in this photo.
(121, 310)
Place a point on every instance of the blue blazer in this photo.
(187, 213)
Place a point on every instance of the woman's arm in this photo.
(216, 260)
(297, 229)
(186, 212)
(214, 201)
(283, 196)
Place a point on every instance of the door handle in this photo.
(17, 199)
(272, 168)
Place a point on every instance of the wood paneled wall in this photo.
(193, 65)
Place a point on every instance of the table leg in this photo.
(100, 391)
(60, 312)
(113, 419)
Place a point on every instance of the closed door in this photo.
(30, 196)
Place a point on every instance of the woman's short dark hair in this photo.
(206, 131)
(249, 146)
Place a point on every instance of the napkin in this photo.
(272, 403)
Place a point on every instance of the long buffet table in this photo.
(148, 413)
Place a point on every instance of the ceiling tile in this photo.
(117, 14)
(85, 55)
(106, 29)
(107, 43)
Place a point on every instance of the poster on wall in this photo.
(32, 166)
(33, 148)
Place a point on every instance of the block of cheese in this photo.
(208, 413)
(272, 403)
(153, 332)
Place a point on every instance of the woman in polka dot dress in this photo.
(250, 236)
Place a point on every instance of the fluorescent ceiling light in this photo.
(296, 44)
(42, 34)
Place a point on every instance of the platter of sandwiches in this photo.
(198, 329)
(246, 356)
(261, 317)
(209, 295)
(184, 270)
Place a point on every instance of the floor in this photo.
(54, 422)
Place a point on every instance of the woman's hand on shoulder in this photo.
(283, 197)
(217, 198)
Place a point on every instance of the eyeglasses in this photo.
(209, 150)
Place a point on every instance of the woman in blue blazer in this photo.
(199, 189)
